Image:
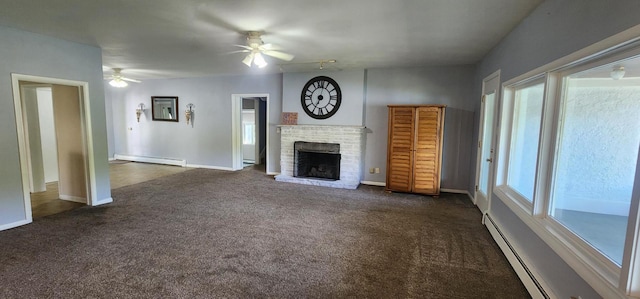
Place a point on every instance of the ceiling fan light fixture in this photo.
(259, 60)
(617, 73)
(117, 82)
(247, 60)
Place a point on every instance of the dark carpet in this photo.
(206, 233)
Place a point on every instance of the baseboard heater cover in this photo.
(528, 279)
(166, 161)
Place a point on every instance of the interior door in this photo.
(486, 142)
(400, 149)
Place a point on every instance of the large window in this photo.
(597, 153)
(568, 162)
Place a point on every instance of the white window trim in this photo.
(599, 272)
(506, 140)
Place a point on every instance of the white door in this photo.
(486, 142)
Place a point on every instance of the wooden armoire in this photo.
(414, 148)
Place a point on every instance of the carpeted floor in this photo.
(207, 233)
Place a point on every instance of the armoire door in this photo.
(426, 174)
(400, 160)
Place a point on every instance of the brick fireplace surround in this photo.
(351, 140)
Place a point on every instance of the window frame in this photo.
(606, 277)
(506, 119)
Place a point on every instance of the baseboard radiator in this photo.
(536, 290)
(166, 161)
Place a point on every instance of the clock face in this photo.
(321, 97)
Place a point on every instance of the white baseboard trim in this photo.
(537, 288)
(73, 198)
(112, 159)
(272, 173)
(166, 161)
(15, 224)
(209, 167)
(372, 183)
(103, 201)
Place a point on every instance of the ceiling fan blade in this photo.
(279, 55)
(130, 80)
(244, 47)
(213, 19)
(239, 51)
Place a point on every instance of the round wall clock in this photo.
(321, 97)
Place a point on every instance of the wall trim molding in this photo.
(372, 183)
(15, 224)
(209, 167)
(73, 198)
(166, 161)
(537, 288)
(458, 191)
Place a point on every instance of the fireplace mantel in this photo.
(350, 138)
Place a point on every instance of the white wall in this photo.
(47, 135)
(208, 141)
(554, 29)
(33, 54)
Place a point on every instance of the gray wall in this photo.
(365, 96)
(449, 85)
(555, 29)
(32, 54)
(208, 141)
(351, 85)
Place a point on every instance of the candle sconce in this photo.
(188, 113)
(139, 111)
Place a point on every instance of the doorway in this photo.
(486, 142)
(250, 116)
(56, 159)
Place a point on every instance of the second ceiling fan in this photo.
(256, 48)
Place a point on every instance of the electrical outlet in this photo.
(371, 170)
(377, 170)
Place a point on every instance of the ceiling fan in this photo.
(257, 48)
(117, 80)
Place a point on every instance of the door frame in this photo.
(236, 129)
(87, 140)
(494, 76)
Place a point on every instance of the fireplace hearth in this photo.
(316, 160)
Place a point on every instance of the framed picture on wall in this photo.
(164, 108)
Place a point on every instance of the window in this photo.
(596, 155)
(567, 162)
(525, 136)
(248, 133)
(248, 126)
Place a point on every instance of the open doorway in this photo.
(250, 137)
(47, 195)
(52, 118)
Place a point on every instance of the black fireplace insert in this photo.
(316, 160)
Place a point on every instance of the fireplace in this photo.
(343, 146)
(316, 160)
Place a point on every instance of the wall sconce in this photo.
(139, 111)
(188, 112)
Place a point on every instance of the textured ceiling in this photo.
(187, 38)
